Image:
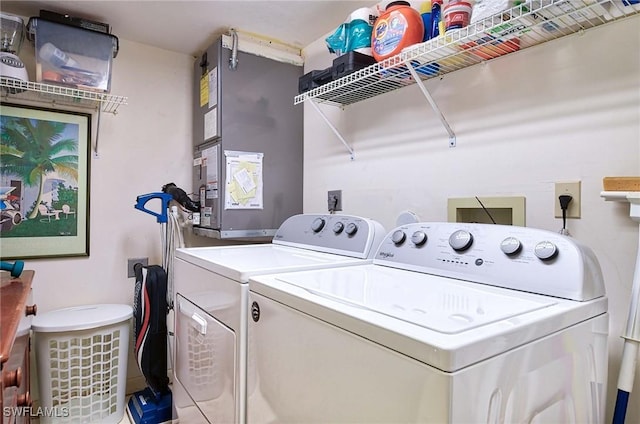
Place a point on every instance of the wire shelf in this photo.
(59, 95)
(527, 25)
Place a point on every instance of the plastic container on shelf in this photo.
(425, 14)
(349, 63)
(398, 27)
(354, 34)
(436, 18)
(456, 15)
(81, 358)
(72, 56)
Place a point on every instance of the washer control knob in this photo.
(338, 227)
(317, 225)
(398, 237)
(351, 229)
(461, 240)
(510, 246)
(545, 250)
(419, 238)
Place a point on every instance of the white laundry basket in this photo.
(81, 358)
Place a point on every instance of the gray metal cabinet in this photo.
(247, 142)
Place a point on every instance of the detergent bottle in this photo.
(399, 26)
(425, 13)
(437, 25)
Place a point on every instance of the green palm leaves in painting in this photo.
(32, 149)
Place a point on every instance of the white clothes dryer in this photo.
(451, 323)
(211, 309)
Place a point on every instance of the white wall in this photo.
(146, 145)
(567, 110)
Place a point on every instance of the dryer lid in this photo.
(241, 262)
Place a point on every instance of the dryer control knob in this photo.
(461, 240)
(398, 237)
(338, 227)
(510, 246)
(419, 238)
(352, 229)
(317, 224)
(545, 250)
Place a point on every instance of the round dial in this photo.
(510, 246)
(545, 250)
(398, 237)
(351, 229)
(419, 238)
(317, 224)
(461, 240)
(338, 227)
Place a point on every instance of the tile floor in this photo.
(125, 419)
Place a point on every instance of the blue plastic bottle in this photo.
(425, 12)
(436, 16)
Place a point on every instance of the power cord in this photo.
(564, 199)
(332, 203)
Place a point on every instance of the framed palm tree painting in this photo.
(44, 182)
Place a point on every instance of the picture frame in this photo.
(44, 182)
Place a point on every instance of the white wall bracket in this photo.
(333, 128)
(97, 137)
(425, 92)
(434, 106)
(631, 336)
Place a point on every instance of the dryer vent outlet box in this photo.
(487, 210)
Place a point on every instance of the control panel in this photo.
(520, 258)
(332, 233)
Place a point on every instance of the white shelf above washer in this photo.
(530, 24)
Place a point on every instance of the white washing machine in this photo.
(451, 323)
(211, 309)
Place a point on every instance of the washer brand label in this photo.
(386, 255)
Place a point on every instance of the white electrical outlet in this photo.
(573, 190)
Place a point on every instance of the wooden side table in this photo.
(15, 347)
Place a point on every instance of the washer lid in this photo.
(81, 317)
(444, 322)
(439, 304)
(241, 262)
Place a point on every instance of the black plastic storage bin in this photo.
(349, 63)
(314, 79)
